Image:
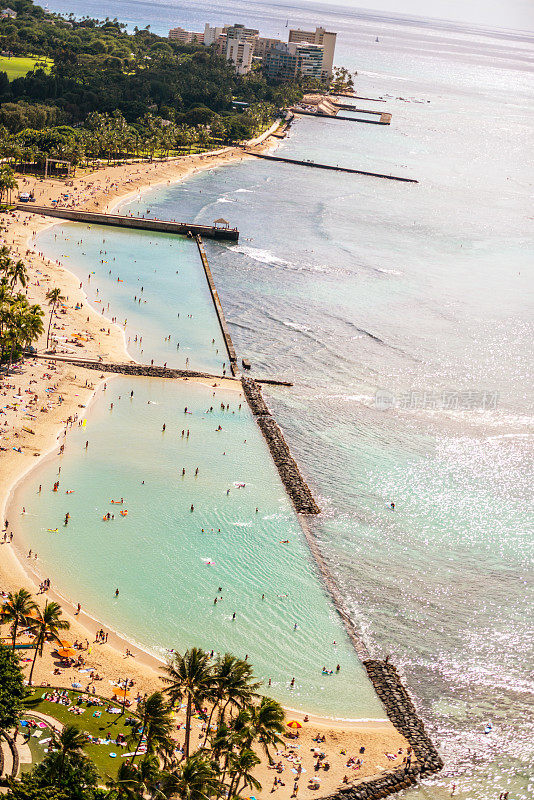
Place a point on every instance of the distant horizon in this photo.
(515, 16)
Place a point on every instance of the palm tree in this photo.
(135, 781)
(17, 610)
(7, 181)
(54, 297)
(18, 272)
(32, 325)
(70, 741)
(233, 685)
(241, 766)
(189, 676)
(156, 726)
(266, 723)
(46, 628)
(227, 739)
(237, 682)
(195, 779)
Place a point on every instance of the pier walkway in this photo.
(136, 223)
(385, 117)
(218, 307)
(332, 167)
(356, 97)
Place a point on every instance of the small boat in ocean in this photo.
(376, 40)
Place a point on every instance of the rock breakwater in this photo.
(295, 485)
(403, 714)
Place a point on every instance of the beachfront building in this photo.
(240, 45)
(280, 64)
(307, 53)
(212, 34)
(287, 61)
(310, 60)
(240, 53)
(319, 36)
(240, 32)
(185, 37)
(8, 13)
(264, 44)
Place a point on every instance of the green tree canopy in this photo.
(12, 691)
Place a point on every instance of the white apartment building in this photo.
(211, 34)
(320, 36)
(240, 53)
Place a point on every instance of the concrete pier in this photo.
(357, 97)
(331, 167)
(385, 118)
(218, 307)
(145, 370)
(350, 107)
(136, 223)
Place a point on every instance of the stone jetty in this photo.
(295, 485)
(143, 370)
(403, 714)
(389, 782)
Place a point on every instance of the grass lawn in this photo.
(18, 66)
(36, 749)
(107, 725)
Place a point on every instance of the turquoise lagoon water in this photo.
(169, 561)
(119, 268)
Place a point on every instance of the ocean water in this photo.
(169, 559)
(420, 293)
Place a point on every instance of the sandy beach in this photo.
(39, 399)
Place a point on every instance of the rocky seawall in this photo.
(387, 783)
(294, 484)
(403, 714)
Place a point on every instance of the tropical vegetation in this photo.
(240, 725)
(99, 92)
(21, 322)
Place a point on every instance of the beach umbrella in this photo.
(294, 724)
(65, 644)
(121, 693)
(66, 652)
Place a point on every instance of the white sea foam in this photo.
(263, 256)
(389, 271)
(297, 327)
